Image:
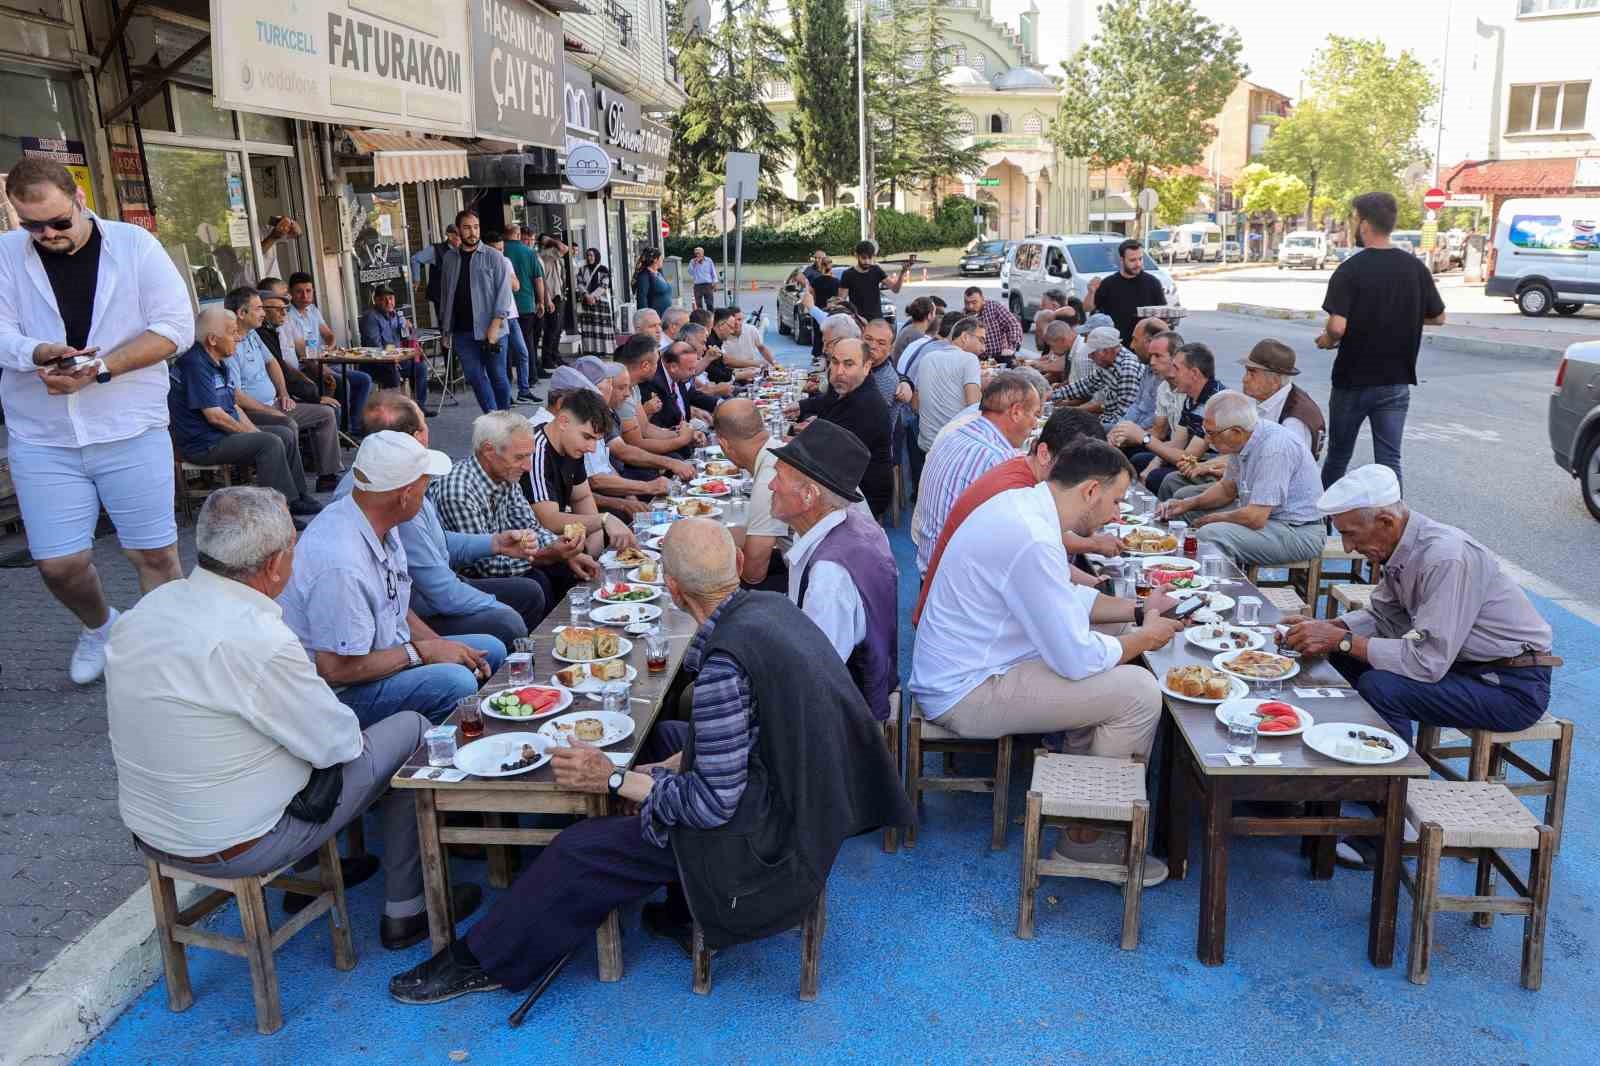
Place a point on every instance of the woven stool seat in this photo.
(1333, 551)
(1548, 727)
(1284, 599)
(1088, 786)
(1352, 597)
(1473, 814)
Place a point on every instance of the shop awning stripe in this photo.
(399, 159)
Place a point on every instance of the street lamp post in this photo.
(861, 117)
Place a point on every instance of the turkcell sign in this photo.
(390, 63)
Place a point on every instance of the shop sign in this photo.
(596, 114)
(133, 192)
(516, 51)
(352, 62)
(70, 154)
(554, 197)
(588, 166)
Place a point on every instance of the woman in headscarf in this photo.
(596, 324)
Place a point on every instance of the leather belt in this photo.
(225, 855)
(1513, 662)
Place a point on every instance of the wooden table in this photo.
(346, 358)
(535, 792)
(1194, 777)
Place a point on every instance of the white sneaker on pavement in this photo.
(89, 657)
(1103, 859)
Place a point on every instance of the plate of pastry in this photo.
(599, 728)
(1255, 665)
(590, 678)
(1202, 684)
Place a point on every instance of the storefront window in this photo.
(198, 118)
(202, 217)
(34, 107)
(265, 129)
(378, 242)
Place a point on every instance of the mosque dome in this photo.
(1023, 78)
(963, 77)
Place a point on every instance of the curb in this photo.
(1441, 341)
(1262, 311)
(87, 986)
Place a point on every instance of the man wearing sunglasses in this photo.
(89, 311)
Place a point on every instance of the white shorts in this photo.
(61, 491)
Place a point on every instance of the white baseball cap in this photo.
(1373, 485)
(389, 460)
(1103, 337)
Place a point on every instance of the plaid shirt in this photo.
(724, 723)
(1001, 329)
(470, 501)
(1116, 386)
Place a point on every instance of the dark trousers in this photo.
(591, 869)
(1385, 406)
(705, 295)
(416, 373)
(523, 604)
(532, 327)
(1156, 476)
(351, 388)
(273, 450)
(1467, 697)
(551, 341)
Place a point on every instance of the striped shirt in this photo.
(954, 464)
(1275, 470)
(1002, 332)
(725, 730)
(1115, 386)
(470, 501)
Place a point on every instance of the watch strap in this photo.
(102, 372)
(413, 656)
(1138, 615)
(615, 781)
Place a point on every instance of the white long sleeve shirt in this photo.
(832, 599)
(216, 715)
(138, 290)
(1003, 594)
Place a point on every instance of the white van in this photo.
(1304, 248)
(1546, 254)
(1197, 242)
(1069, 263)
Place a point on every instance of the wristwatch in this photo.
(1146, 440)
(413, 656)
(1138, 615)
(614, 782)
(1346, 644)
(103, 372)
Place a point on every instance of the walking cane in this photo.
(538, 990)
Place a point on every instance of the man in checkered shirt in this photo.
(1002, 330)
(1114, 385)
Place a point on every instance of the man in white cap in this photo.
(1448, 638)
(349, 600)
(1114, 386)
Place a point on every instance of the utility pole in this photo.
(1444, 75)
(861, 117)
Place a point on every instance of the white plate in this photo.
(591, 686)
(1205, 637)
(697, 487)
(1125, 507)
(633, 576)
(1326, 739)
(619, 727)
(610, 558)
(1172, 560)
(654, 592)
(659, 529)
(714, 512)
(1197, 582)
(1221, 663)
(1216, 601)
(624, 646)
(562, 704)
(621, 614)
(1239, 691)
(650, 542)
(1123, 530)
(1226, 709)
(484, 756)
(730, 473)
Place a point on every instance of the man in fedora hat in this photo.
(841, 571)
(1268, 371)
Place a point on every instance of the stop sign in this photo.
(666, 230)
(1433, 199)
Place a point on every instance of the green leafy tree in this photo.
(1144, 91)
(821, 69)
(935, 119)
(1178, 193)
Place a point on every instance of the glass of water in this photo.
(578, 600)
(735, 509)
(1249, 611)
(1211, 565)
(520, 662)
(1242, 733)
(615, 697)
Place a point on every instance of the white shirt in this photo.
(1003, 594)
(138, 290)
(216, 715)
(746, 345)
(1271, 410)
(759, 521)
(832, 600)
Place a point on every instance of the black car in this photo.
(986, 257)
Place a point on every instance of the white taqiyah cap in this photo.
(1373, 485)
(389, 460)
(1103, 337)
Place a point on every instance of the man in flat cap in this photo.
(1448, 639)
(1113, 386)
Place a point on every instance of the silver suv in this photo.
(1069, 262)
(1575, 419)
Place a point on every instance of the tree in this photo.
(1145, 90)
(821, 70)
(935, 120)
(1178, 194)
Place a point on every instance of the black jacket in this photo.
(662, 385)
(819, 773)
(863, 412)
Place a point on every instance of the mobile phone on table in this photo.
(1186, 607)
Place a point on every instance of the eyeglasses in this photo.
(389, 583)
(60, 225)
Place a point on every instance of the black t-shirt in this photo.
(553, 476)
(864, 288)
(1383, 294)
(461, 306)
(824, 287)
(74, 277)
(1121, 297)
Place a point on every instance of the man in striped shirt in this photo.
(1114, 386)
(1002, 330)
(1007, 413)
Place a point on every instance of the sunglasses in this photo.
(60, 225)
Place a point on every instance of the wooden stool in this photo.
(1489, 752)
(811, 933)
(1284, 599)
(1349, 598)
(175, 929)
(1333, 551)
(1085, 790)
(1474, 819)
(923, 736)
(891, 739)
(190, 494)
(1311, 568)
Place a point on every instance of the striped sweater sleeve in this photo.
(724, 732)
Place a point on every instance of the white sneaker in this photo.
(1103, 860)
(89, 657)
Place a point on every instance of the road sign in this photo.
(1433, 199)
(1148, 198)
(1462, 199)
(1430, 235)
(744, 174)
(666, 230)
(988, 183)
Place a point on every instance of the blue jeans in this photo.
(1468, 697)
(485, 369)
(354, 399)
(432, 690)
(519, 352)
(1385, 406)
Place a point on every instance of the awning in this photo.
(1512, 177)
(398, 158)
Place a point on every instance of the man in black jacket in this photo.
(743, 831)
(674, 382)
(860, 408)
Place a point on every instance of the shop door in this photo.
(201, 216)
(378, 243)
(272, 181)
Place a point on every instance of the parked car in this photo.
(985, 257)
(792, 317)
(1067, 262)
(1546, 255)
(1304, 248)
(1438, 259)
(1339, 253)
(1575, 419)
(1157, 241)
(1197, 242)
(1232, 252)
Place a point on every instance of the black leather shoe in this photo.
(354, 871)
(660, 920)
(439, 979)
(397, 934)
